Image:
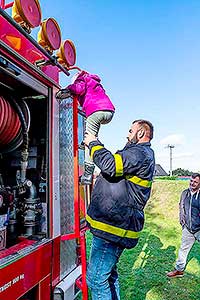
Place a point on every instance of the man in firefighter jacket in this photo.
(190, 221)
(115, 215)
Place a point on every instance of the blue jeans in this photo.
(102, 277)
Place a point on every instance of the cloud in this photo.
(175, 155)
(174, 139)
(185, 160)
(183, 155)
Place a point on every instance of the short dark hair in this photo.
(147, 125)
(194, 175)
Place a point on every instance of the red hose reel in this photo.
(10, 126)
(9, 122)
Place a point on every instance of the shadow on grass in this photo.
(144, 267)
(143, 273)
(194, 253)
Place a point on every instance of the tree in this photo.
(181, 172)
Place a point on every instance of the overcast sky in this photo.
(147, 53)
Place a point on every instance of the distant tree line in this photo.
(181, 172)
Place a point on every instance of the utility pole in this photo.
(170, 146)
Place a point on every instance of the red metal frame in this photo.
(80, 234)
(84, 264)
(55, 262)
(76, 173)
(2, 4)
(76, 233)
(51, 173)
(5, 6)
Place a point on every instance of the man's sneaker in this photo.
(175, 273)
(63, 94)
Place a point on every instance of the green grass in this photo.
(143, 269)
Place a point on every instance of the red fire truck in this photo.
(42, 204)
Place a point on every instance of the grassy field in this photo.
(143, 269)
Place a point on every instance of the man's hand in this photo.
(89, 138)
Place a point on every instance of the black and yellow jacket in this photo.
(120, 192)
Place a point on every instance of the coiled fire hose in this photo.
(14, 124)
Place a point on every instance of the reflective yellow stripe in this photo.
(112, 229)
(95, 148)
(119, 169)
(139, 181)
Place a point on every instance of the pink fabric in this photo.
(91, 95)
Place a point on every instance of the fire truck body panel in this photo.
(40, 215)
(22, 275)
(24, 45)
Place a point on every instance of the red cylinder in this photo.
(9, 122)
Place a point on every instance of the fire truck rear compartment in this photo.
(23, 160)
